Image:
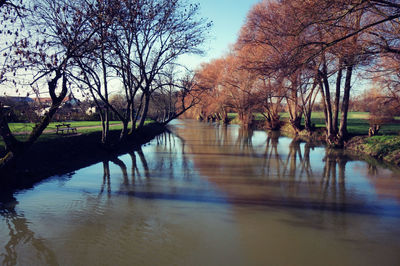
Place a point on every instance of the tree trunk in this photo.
(124, 131)
(294, 113)
(246, 118)
(373, 130)
(15, 148)
(106, 122)
(104, 131)
(132, 116)
(345, 104)
(145, 110)
(226, 118)
(307, 121)
(331, 136)
(337, 99)
(11, 142)
(328, 106)
(296, 123)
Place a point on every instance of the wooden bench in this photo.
(65, 128)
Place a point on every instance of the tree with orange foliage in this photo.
(240, 88)
(295, 35)
(380, 112)
(345, 34)
(270, 102)
(386, 76)
(271, 34)
(213, 104)
(295, 50)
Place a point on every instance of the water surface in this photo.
(210, 195)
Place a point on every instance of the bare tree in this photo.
(164, 31)
(141, 40)
(61, 33)
(182, 95)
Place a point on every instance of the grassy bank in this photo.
(386, 148)
(21, 130)
(358, 123)
(27, 127)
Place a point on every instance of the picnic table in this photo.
(65, 128)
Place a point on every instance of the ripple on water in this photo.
(209, 195)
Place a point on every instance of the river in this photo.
(207, 194)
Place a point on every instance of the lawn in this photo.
(357, 122)
(83, 127)
(27, 127)
(386, 147)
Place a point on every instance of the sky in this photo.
(228, 17)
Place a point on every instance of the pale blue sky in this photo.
(228, 17)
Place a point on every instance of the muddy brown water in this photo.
(210, 195)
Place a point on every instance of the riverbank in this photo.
(66, 154)
(385, 148)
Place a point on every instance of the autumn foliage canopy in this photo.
(292, 54)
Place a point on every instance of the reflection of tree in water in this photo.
(144, 163)
(124, 170)
(175, 161)
(296, 175)
(272, 178)
(168, 161)
(21, 235)
(270, 173)
(244, 139)
(333, 181)
(106, 179)
(271, 152)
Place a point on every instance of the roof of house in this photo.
(48, 100)
(17, 99)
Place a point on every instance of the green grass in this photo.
(384, 147)
(384, 142)
(357, 122)
(27, 127)
(232, 116)
(83, 127)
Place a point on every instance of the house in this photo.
(42, 112)
(91, 110)
(44, 101)
(47, 101)
(14, 100)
